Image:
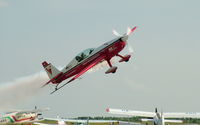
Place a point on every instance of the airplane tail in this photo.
(50, 69)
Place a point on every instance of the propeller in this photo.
(125, 37)
(158, 114)
(129, 30)
(116, 33)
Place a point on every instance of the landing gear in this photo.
(112, 69)
(124, 58)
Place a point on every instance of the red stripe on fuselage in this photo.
(24, 119)
(118, 45)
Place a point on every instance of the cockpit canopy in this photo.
(84, 54)
(80, 57)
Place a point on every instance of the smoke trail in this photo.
(21, 89)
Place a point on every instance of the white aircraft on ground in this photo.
(156, 117)
(25, 117)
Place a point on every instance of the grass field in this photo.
(115, 123)
(71, 123)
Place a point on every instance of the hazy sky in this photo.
(164, 71)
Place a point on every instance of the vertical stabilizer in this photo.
(50, 69)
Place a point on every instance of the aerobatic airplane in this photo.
(156, 117)
(25, 117)
(88, 59)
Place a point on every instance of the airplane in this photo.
(87, 59)
(79, 122)
(156, 117)
(22, 117)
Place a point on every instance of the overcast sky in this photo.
(164, 71)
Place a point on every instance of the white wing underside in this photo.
(173, 121)
(132, 113)
(182, 115)
(152, 114)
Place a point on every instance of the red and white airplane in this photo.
(88, 59)
(26, 117)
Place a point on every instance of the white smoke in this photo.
(19, 90)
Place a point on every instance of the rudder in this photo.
(50, 69)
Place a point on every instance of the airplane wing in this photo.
(173, 121)
(47, 83)
(131, 112)
(95, 62)
(87, 68)
(182, 115)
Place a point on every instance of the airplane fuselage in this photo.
(17, 118)
(159, 119)
(104, 52)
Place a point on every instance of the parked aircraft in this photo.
(156, 117)
(16, 117)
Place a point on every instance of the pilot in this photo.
(81, 57)
(78, 58)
